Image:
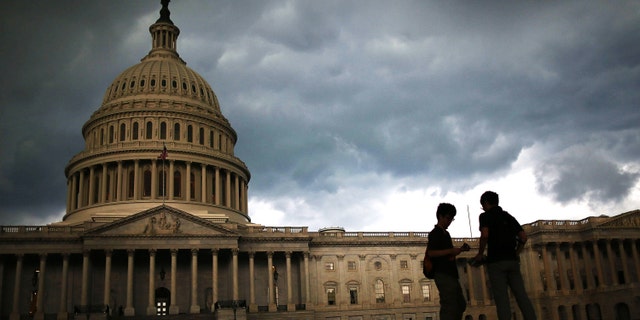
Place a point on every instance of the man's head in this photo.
(445, 214)
(488, 200)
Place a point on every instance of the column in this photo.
(154, 179)
(588, 269)
(80, 203)
(636, 258)
(15, 313)
(612, 265)
(119, 183)
(195, 308)
(252, 285)
(92, 189)
(547, 269)
(62, 310)
(103, 184)
(485, 291)
(214, 264)
(188, 183)
(136, 181)
(74, 195)
(577, 278)
(173, 307)
(227, 189)
(290, 303)
(41, 278)
(272, 301)
(598, 263)
(107, 278)
(217, 186)
(623, 257)
(472, 294)
(306, 279)
(151, 308)
(562, 273)
(234, 265)
(85, 278)
(237, 192)
(129, 310)
(203, 183)
(170, 177)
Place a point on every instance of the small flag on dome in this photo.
(163, 155)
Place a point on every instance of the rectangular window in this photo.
(331, 296)
(406, 293)
(426, 292)
(353, 295)
(329, 266)
(351, 266)
(404, 264)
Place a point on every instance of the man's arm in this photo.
(522, 239)
(484, 237)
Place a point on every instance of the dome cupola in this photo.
(158, 104)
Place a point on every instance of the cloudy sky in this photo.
(361, 114)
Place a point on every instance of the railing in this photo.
(40, 229)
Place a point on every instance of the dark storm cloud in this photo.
(330, 95)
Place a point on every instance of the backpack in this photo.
(427, 266)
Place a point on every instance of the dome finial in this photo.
(164, 12)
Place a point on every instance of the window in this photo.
(201, 136)
(190, 133)
(378, 265)
(211, 139)
(331, 296)
(163, 130)
(192, 186)
(406, 293)
(131, 184)
(149, 130)
(329, 266)
(134, 131)
(146, 191)
(177, 184)
(122, 131)
(353, 295)
(111, 134)
(426, 292)
(379, 290)
(351, 266)
(404, 264)
(176, 131)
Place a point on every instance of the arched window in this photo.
(211, 139)
(134, 131)
(177, 184)
(111, 134)
(96, 189)
(146, 190)
(190, 133)
(101, 136)
(122, 131)
(379, 288)
(201, 136)
(162, 183)
(149, 129)
(163, 130)
(176, 131)
(131, 184)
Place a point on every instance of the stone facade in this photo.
(157, 223)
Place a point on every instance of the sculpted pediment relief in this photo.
(630, 219)
(161, 221)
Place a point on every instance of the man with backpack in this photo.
(442, 254)
(504, 237)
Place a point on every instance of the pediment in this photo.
(161, 221)
(629, 219)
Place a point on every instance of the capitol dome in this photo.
(159, 138)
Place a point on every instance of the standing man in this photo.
(505, 238)
(445, 271)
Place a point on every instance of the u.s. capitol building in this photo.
(168, 234)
